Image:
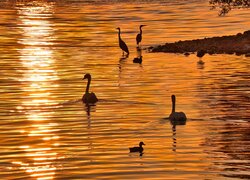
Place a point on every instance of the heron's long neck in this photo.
(119, 34)
(173, 105)
(88, 84)
(140, 31)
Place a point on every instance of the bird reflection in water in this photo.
(89, 108)
(138, 59)
(200, 66)
(175, 123)
(122, 62)
(123, 58)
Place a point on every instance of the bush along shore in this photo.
(238, 44)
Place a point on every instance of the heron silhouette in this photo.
(122, 44)
(139, 36)
(88, 98)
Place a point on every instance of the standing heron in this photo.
(122, 44)
(139, 36)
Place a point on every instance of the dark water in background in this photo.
(46, 133)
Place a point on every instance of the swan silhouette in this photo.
(137, 149)
(89, 98)
(122, 44)
(176, 116)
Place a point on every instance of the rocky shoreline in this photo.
(238, 44)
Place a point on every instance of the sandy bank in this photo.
(234, 44)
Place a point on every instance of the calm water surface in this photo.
(47, 133)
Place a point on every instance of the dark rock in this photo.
(247, 33)
(238, 53)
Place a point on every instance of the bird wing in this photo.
(123, 46)
(138, 38)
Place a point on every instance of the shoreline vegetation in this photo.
(238, 44)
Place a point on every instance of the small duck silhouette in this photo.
(137, 149)
(89, 98)
(200, 54)
(138, 60)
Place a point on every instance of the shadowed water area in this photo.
(46, 132)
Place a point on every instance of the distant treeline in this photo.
(226, 5)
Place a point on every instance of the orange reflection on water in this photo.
(39, 153)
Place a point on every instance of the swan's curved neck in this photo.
(173, 104)
(88, 84)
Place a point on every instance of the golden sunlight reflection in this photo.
(38, 76)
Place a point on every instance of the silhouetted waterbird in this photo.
(89, 98)
(200, 54)
(137, 149)
(176, 116)
(139, 36)
(138, 60)
(122, 44)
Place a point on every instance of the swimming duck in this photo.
(176, 116)
(137, 149)
(137, 60)
(89, 98)
(200, 54)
